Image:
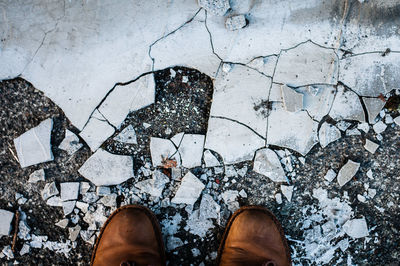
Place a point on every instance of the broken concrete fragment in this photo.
(379, 127)
(189, 190)
(105, 169)
(267, 163)
(343, 125)
(209, 159)
(103, 191)
(347, 106)
(307, 64)
(287, 191)
(292, 100)
(191, 150)
(96, 131)
(216, 7)
(70, 143)
(49, 190)
(54, 202)
(347, 172)
(317, 100)
(25, 249)
(62, 223)
(68, 207)
(328, 133)
(83, 206)
(356, 228)
(353, 132)
(209, 209)
(74, 232)
(173, 243)
(364, 127)
(155, 185)
(36, 176)
(197, 226)
(330, 175)
(235, 22)
(162, 150)
(230, 198)
(69, 191)
(374, 106)
(6, 218)
(397, 120)
(34, 146)
(109, 200)
(84, 187)
(127, 135)
(371, 146)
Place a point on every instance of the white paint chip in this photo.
(70, 143)
(371, 146)
(191, 150)
(105, 169)
(34, 146)
(328, 133)
(69, 191)
(5, 222)
(292, 100)
(267, 163)
(347, 172)
(162, 149)
(37, 176)
(189, 190)
(356, 228)
(127, 135)
(287, 191)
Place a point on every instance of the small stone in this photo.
(127, 135)
(388, 119)
(371, 146)
(189, 190)
(68, 207)
(185, 79)
(49, 190)
(347, 172)
(34, 146)
(370, 174)
(172, 73)
(230, 199)
(173, 243)
(5, 222)
(146, 125)
(36, 176)
(371, 193)
(23, 230)
(267, 163)
(74, 232)
(24, 250)
(292, 100)
(235, 22)
(364, 127)
(330, 175)
(103, 191)
(287, 191)
(69, 191)
(343, 244)
(361, 198)
(379, 127)
(62, 223)
(356, 228)
(216, 7)
(196, 252)
(379, 137)
(7, 251)
(328, 133)
(209, 159)
(109, 200)
(278, 198)
(243, 194)
(70, 143)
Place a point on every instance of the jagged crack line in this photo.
(211, 39)
(106, 120)
(245, 65)
(383, 53)
(240, 123)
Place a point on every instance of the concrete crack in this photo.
(240, 123)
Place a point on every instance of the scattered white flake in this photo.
(379, 127)
(90, 197)
(230, 199)
(356, 228)
(62, 223)
(173, 243)
(88, 236)
(84, 187)
(49, 190)
(103, 191)
(24, 250)
(177, 138)
(70, 143)
(34, 146)
(69, 191)
(328, 133)
(216, 7)
(267, 163)
(209, 209)
(36, 176)
(105, 169)
(83, 206)
(361, 198)
(109, 200)
(197, 226)
(127, 135)
(68, 207)
(302, 160)
(153, 186)
(370, 174)
(379, 137)
(146, 125)
(287, 191)
(347, 172)
(170, 226)
(189, 190)
(235, 22)
(74, 232)
(8, 252)
(353, 132)
(397, 120)
(172, 73)
(371, 193)
(243, 194)
(209, 159)
(374, 106)
(278, 198)
(185, 79)
(330, 175)
(5, 222)
(191, 150)
(371, 146)
(292, 100)
(54, 202)
(364, 127)
(343, 244)
(163, 149)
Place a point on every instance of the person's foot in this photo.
(253, 236)
(131, 236)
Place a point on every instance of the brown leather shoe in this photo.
(253, 236)
(130, 236)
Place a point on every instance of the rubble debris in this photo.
(33, 146)
(209, 209)
(374, 106)
(109, 200)
(353, 132)
(267, 163)
(20, 198)
(209, 159)
(105, 169)
(155, 185)
(6, 218)
(379, 127)
(191, 150)
(361, 198)
(388, 119)
(7, 251)
(161, 150)
(317, 100)
(95, 219)
(347, 106)
(90, 197)
(49, 190)
(356, 228)
(287, 191)
(70, 143)
(88, 236)
(69, 191)
(397, 120)
(347, 172)
(25, 249)
(230, 198)
(328, 133)
(54, 202)
(74, 232)
(371, 146)
(364, 127)
(306, 64)
(84, 187)
(174, 243)
(176, 139)
(127, 135)
(278, 198)
(37, 176)
(243, 194)
(103, 191)
(235, 22)
(216, 7)
(83, 206)
(292, 100)
(330, 175)
(96, 131)
(62, 223)
(68, 207)
(189, 190)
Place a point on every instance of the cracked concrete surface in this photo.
(148, 64)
